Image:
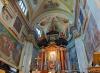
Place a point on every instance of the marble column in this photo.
(26, 57)
(81, 55)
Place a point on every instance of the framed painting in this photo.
(10, 48)
(18, 24)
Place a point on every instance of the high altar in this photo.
(52, 58)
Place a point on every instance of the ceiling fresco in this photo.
(57, 15)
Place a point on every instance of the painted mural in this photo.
(9, 46)
(92, 37)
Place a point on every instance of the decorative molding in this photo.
(51, 4)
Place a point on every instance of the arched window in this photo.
(39, 32)
(22, 6)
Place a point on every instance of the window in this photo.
(22, 6)
(39, 32)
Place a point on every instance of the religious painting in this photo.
(92, 37)
(10, 49)
(18, 24)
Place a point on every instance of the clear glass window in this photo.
(22, 6)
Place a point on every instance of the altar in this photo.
(36, 71)
(44, 71)
(52, 59)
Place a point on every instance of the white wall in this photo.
(81, 55)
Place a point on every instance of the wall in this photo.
(95, 10)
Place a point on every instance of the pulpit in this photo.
(94, 69)
(96, 58)
(96, 63)
(2, 71)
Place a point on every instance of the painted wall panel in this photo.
(92, 37)
(9, 47)
(95, 11)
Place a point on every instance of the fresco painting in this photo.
(9, 46)
(92, 37)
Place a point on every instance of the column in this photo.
(66, 59)
(26, 57)
(81, 55)
(68, 62)
(42, 59)
(62, 58)
(45, 61)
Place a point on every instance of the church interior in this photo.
(49, 36)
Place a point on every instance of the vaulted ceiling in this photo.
(58, 12)
(48, 13)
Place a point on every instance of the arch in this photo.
(60, 13)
